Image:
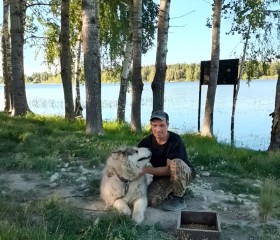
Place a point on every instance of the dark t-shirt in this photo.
(173, 148)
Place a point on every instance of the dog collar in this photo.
(125, 181)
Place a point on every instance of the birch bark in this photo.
(137, 84)
(207, 127)
(162, 39)
(92, 68)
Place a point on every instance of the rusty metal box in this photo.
(198, 226)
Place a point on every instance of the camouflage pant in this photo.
(161, 187)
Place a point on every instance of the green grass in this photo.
(53, 218)
(224, 159)
(236, 185)
(40, 144)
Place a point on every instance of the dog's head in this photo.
(129, 161)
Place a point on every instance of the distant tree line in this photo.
(180, 72)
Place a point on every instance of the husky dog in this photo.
(121, 185)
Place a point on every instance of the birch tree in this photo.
(207, 127)
(149, 13)
(116, 40)
(162, 39)
(91, 49)
(275, 129)
(248, 17)
(77, 75)
(17, 18)
(65, 60)
(258, 24)
(124, 82)
(137, 84)
(6, 58)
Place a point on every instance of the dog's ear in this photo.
(115, 154)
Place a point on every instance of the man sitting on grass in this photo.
(170, 168)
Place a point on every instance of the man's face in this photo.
(159, 128)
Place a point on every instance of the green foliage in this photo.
(174, 72)
(246, 14)
(257, 22)
(114, 26)
(149, 21)
(250, 69)
(48, 18)
(52, 42)
(110, 75)
(75, 15)
(39, 77)
(186, 72)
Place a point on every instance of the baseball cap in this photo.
(159, 114)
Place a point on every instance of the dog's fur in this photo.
(121, 187)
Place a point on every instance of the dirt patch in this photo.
(237, 214)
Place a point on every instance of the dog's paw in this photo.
(148, 165)
(139, 209)
(149, 178)
(122, 207)
(138, 217)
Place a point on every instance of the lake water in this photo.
(252, 121)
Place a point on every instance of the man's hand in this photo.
(147, 169)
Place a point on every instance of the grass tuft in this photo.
(268, 198)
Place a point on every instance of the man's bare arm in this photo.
(157, 171)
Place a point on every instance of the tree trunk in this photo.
(6, 59)
(17, 16)
(275, 129)
(92, 66)
(207, 128)
(78, 106)
(125, 70)
(159, 78)
(65, 60)
(137, 84)
(237, 86)
(124, 82)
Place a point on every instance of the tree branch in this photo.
(183, 15)
(179, 25)
(34, 36)
(40, 4)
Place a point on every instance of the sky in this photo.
(189, 40)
